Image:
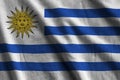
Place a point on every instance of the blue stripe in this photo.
(83, 13)
(58, 48)
(80, 30)
(59, 66)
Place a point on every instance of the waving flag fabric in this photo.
(59, 39)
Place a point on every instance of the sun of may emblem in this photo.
(22, 21)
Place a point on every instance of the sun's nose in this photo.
(22, 24)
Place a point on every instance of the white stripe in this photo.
(52, 57)
(34, 75)
(66, 39)
(71, 39)
(97, 22)
(81, 4)
(59, 75)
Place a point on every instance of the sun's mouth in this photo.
(22, 22)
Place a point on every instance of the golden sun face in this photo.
(22, 22)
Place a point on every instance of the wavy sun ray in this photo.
(22, 22)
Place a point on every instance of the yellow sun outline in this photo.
(22, 21)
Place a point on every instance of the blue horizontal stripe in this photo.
(58, 48)
(59, 66)
(80, 30)
(82, 13)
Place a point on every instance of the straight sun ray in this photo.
(34, 26)
(34, 16)
(10, 27)
(27, 34)
(31, 12)
(13, 30)
(35, 21)
(17, 34)
(22, 35)
(31, 31)
(22, 8)
(9, 17)
(16, 9)
(27, 9)
(12, 12)
(9, 21)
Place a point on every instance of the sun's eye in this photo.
(22, 22)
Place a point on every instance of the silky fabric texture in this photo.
(59, 39)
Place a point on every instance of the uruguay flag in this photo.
(59, 40)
